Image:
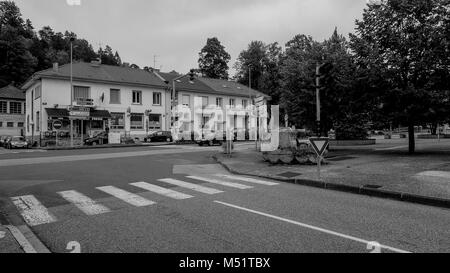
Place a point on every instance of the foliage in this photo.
(213, 60)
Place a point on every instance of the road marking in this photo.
(128, 197)
(160, 190)
(440, 174)
(20, 238)
(84, 203)
(247, 179)
(32, 211)
(219, 182)
(366, 242)
(190, 186)
(391, 148)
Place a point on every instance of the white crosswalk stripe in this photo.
(190, 186)
(247, 179)
(220, 182)
(84, 203)
(32, 211)
(128, 197)
(162, 191)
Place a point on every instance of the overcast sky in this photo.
(176, 30)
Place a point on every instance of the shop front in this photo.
(86, 122)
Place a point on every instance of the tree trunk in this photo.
(412, 141)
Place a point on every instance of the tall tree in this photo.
(403, 43)
(16, 61)
(250, 64)
(213, 60)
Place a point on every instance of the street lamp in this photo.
(72, 39)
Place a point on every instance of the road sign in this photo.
(320, 145)
(57, 124)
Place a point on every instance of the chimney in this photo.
(56, 67)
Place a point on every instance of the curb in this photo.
(393, 195)
(105, 147)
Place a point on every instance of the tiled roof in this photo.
(103, 73)
(211, 86)
(11, 92)
(230, 88)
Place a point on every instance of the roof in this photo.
(100, 73)
(231, 88)
(210, 86)
(11, 92)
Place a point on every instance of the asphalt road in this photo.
(95, 199)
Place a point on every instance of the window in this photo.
(1, 124)
(15, 107)
(244, 104)
(81, 92)
(38, 123)
(219, 102)
(117, 121)
(3, 107)
(37, 92)
(137, 121)
(20, 125)
(205, 102)
(114, 96)
(186, 100)
(137, 97)
(10, 124)
(232, 103)
(156, 98)
(154, 122)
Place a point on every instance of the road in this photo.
(177, 199)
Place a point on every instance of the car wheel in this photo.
(210, 143)
(168, 140)
(149, 140)
(94, 143)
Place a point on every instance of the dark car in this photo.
(17, 142)
(212, 139)
(99, 139)
(161, 136)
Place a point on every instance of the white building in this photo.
(206, 104)
(12, 111)
(129, 101)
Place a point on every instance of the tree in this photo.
(213, 60)
(251, 63)
(16, 61)
(403, 46)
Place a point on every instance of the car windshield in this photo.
(18, 139)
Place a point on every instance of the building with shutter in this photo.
(12, 111)
(128, 101)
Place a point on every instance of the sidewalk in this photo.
(422, 178)
(8, 243)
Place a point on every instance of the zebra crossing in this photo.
(35, 213)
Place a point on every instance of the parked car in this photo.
(17, 142)
(160, 136)
(212, 139)
(99, 139)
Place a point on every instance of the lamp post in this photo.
(72, 39)
(318, 98)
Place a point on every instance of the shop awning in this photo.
(64, 113)
(100, 114)
(57, 113)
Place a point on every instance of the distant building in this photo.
(12, 111)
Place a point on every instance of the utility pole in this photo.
(154, 61)
(318, 99)
(71, 89)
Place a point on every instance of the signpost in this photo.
(57, 125)
(320, 146)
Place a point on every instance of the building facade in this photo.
(205, 107)
(128, 101)
(12, 111)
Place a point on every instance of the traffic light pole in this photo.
(318, 99)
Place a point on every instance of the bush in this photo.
(354, 128)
